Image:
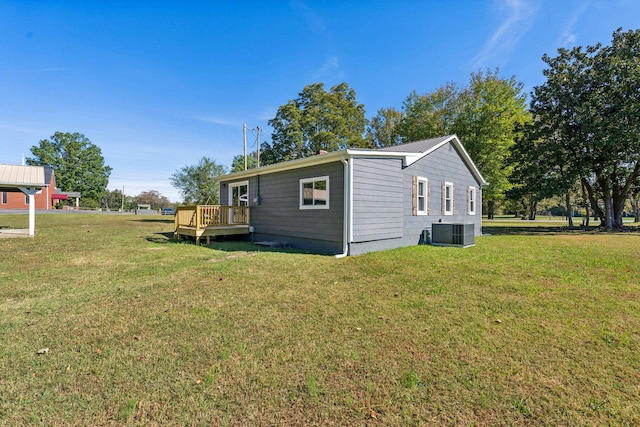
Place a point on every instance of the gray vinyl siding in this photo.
(278, 217)
(382, 210)
(377, 199)
(443, 165)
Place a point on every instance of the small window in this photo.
(422, 192)
(447, 198)
(26, 199)
(314, 193)
(472, 201)
(4, 197)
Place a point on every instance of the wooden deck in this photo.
(211, 220)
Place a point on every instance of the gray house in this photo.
(358, 200)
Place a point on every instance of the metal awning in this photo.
(15, 176)
(59, 196)
(27, 179)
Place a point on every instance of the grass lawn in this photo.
(105, 320)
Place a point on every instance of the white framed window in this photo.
(471, 201)
(448, 198)
(314, 193)
(239, 193)
(422, 196)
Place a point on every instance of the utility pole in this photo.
(258, 127)
(244, 133)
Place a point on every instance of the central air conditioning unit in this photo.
(453, 234)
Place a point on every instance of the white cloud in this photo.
(330, 70)
(518, 19)
(311, 18)
(267, 113)
(217, 120)
(568, 37)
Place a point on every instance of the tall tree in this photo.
(237, 164)
(77, 163)
(540, 169)
(590, 108)
(382, 129)
(316, 120)
(197, 183)
(429, 115)
(491, 110)
(484, 115)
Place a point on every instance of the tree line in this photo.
(578, 138)
(79, 166)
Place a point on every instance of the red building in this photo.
(45, 199)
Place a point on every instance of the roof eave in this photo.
(288, 165)
(408, 159)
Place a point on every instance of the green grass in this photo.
(525, 328)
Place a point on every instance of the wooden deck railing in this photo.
(207, 216)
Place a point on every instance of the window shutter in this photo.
(428, 197)
(468, 200)
(444, 202)
(453, 199)
(414, 210)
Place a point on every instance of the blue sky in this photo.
(157, 85)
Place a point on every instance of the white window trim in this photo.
(425, 195)
(472, 198)
(301, 192)
(444, 198)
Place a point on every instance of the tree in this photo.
(492, 110)
(484, 115)
(589, 107)
(237, 164)
(77, 163)
(430, 115)
(382, 130)
(316, 120)
(540, 169)
(112, 199)
(197, 183)
(153, 198)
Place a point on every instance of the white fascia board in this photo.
(318, 159)
(336, 156)
(467, 159)
(411, 158)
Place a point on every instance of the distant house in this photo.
(45, 199)
(354, 201)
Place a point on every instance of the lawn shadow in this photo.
(164, 220)
(223, 243)
(535, 230)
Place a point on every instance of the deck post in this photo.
(176, 223)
